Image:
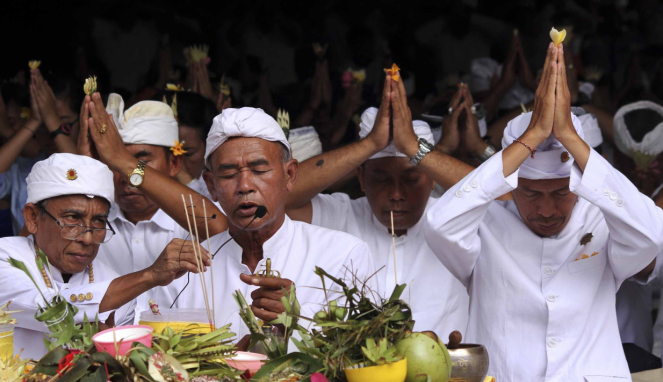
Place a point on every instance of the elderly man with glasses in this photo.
(69, 197)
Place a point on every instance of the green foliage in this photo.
(379, 354)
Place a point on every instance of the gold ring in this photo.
(103, 128)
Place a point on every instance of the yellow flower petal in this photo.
(25, 112)
(90, 85)
(177, 148)
(34, 64)
(358, 75)
(557, 36)
(174, 87)
(394, 72)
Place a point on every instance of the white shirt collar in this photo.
(160, 218)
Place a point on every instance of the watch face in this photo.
(136, 180)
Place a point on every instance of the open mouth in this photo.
(246, 209)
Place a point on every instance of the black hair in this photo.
(193, 110)
(68, 88)
(18, 93)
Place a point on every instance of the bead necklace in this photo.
(47, 281)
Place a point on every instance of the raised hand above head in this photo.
(472, 136)
(450, 133)
(379, 136)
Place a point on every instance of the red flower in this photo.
(67, 361)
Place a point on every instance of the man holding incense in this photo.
(251, 169)
(397, 178)
(543, 269)
(69, 198)
(141, 146)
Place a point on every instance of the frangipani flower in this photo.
(319, 49)
(25, 112)
(359, 75)
(90, 85)
(393, 72)
(174, 87)
(178, 149)
(557, 36)
(196, 53)
(34, 64)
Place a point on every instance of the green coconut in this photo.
(425, 358)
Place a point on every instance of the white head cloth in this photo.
(652, 143)
(421, 129)
(145, 123)
(591, 129)
(304, 143)
(245, 122)
(548, 162)
(69, 174)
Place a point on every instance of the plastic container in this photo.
(6, 342)
(194, 320)
(391, 372)
(125, 336)
(244, 361)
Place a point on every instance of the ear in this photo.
(175, 163)
(291, 168)
(209, 181)
(360, 176)
(31, 216)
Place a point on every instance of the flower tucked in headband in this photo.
(90, 85)
(393, 72)
(34, 64)
(178, 149)
(174, 87)
(25, 112)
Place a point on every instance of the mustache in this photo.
(547, 221)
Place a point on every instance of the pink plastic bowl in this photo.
(129, 334)
(247, 361)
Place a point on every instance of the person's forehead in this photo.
(392, 165)
(79, 202)
(235, 149)
(135, 148)
(543, 184)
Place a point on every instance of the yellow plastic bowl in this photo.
(192, 327)
(391, 372)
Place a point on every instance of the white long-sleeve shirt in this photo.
(542, 315)
(295, 250)
(439, 302)
(15, 286)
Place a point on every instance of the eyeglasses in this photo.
(76, 231)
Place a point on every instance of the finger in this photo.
(84, 114)
(546, 67)
(271, 294)
(266, 282)
(457, 98)
(468, 96)
(188, 258)
(264, 315)
(562, 70)
(269, 305)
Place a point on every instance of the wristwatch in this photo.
(487, 153)
(424, 148)
(64, 129)
(137, 175)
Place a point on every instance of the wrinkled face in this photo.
(194, 145)
(393, 184)
(545, 205)
(68, 256)
(131, 199)
(247, 173)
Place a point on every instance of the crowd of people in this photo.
(512, 183)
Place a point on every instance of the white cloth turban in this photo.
(304, 143)
(245, 122)
(591, 129)
(145, 123)
(69, 174)
(652, 143)
(548, 163)
(421, 129)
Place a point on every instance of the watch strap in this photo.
(424, 148)
(487, 153)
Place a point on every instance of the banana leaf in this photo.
(301, 363)
(20, 265)
(48, 364)
(78, 371)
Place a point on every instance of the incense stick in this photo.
(393, 243)
(200, 260)
(211, 267)
(188, 222)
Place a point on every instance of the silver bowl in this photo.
(469, 363)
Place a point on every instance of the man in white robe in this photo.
(69, 197)
(145, 217)
(543, 270)
(391, 182)
(250, 166)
